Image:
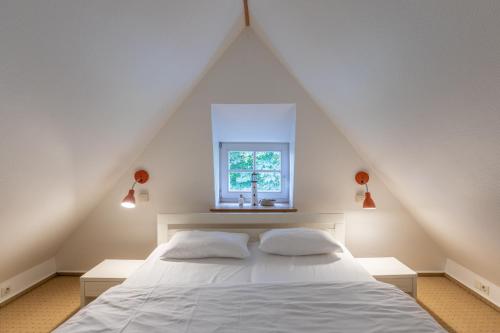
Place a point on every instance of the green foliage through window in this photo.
(269, 182)
(240, 181)
(267, 162)
(240, 160)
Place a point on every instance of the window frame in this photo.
(225, 147)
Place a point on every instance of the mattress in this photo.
(260, 267)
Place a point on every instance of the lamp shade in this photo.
(368, 203)
(129, 200)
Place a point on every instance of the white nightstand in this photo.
(107, 274)
(391, 270)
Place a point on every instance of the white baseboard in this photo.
(469, 278)
(26, 279)
(431, 272)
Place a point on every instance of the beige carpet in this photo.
(455, 308)
(45, 307)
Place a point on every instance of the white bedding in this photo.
(263, 293)
(347, 307)
(259, 267)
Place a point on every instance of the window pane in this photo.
(269, 182)
(240, 160)
(268, 160)
(240, 181)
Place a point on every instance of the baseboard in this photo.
(70, 273)
(429, 274)
(27, 280)
(467, 279)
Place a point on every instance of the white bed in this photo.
(263, 293)
(260, 267)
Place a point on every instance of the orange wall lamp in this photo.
(362, 178)
(141, 177)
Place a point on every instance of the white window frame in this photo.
(283, 148)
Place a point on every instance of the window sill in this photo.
(247, 208)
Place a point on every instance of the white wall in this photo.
(253, 122)
(84, 87)
(415, 86)
(179, 160)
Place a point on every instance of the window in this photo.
(270, 161)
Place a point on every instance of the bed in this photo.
(262, 293)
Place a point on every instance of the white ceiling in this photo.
(414, 85)
(84, 85)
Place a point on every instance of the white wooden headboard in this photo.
(252, 224)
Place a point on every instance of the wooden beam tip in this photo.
(247, 14)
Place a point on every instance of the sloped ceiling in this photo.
(415, 86)
(84, 85)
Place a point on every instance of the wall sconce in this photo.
(362, 178)
(140, 177)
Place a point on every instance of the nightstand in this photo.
(105, 275)
(391, 270)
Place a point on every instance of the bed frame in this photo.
(252, 224)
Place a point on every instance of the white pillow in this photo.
(298, 242)
(206, 244)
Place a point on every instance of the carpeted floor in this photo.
(45, 307)
(455, 308)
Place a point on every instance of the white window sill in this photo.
(247, 208)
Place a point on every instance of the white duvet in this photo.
(256, 307)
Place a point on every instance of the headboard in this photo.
(252, 224)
